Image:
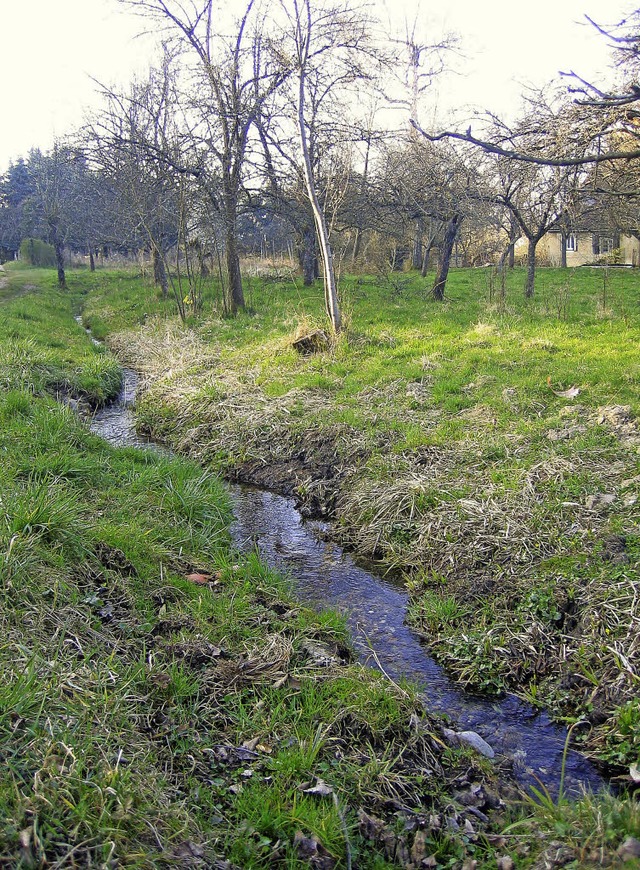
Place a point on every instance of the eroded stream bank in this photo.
(324, 576)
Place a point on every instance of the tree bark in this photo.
(357, 245)
(531, 268)
(416, 258)
(563, 250)
(62, 279)
(445, 257)
(330, 287)
(236, 293)
(308, 256)
(59, 249)
(426, 259)
(159, 272)
(92, 260)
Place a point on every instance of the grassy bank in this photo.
(487, 448)
(161, 704)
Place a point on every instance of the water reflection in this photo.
(374, 607)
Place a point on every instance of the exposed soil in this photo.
(310, 469)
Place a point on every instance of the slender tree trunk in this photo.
(92, 260)
(160, 278)
(62, 279)
(330, 287)
(514, 235)
(308, 256)
(426, 258)
(357, 244)
(563, 250)
(58, 246)
(531, 268)
(445, 257)
(416, 258)
(236, 293)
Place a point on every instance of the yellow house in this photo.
(585, 247)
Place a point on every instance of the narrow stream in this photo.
(325, 577)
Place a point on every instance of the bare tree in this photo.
(52, 176)
(325, 44)
(134, 144)
(234, 75)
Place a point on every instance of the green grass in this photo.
(128, 690)
(461, 459)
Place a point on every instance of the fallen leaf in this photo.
(571, 393)
(320, 788)
(634, 773)
(186, 851)
(419, 848)
(200, 579)
(311, 850)
(629, 849)
(251, 744)
(370, 826)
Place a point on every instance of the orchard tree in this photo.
(48, 211)
(325, 46)
(231, 73)
(133, 144)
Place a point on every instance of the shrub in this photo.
(35, 252)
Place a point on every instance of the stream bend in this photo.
(324, 576)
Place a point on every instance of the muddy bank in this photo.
(310, 469)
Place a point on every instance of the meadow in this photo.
(159, 706)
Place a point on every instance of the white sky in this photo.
(51, 49)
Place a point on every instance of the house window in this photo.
(606, 245)
(572, 242)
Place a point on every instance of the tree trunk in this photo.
(330, 287)
(512, 255)
(357, 244)
(58, 246)
(92, 261)
(159, 272)
(236, 294)
(426, 259)
(563, 250)
(308, 256)
(531, 268)
(62, 280)
(445, 257)
(416, 258)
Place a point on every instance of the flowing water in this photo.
(326, 577)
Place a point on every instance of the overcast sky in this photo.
(50, 50)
